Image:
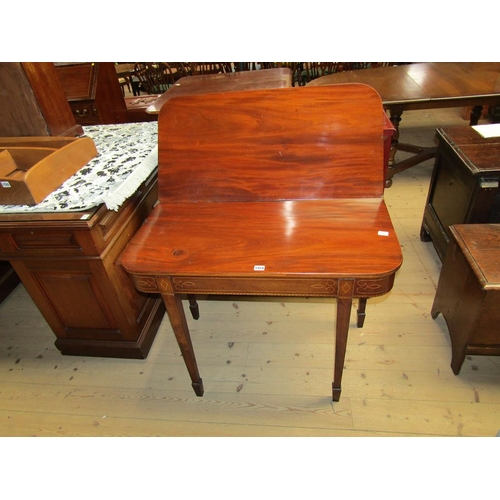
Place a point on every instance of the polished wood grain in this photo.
(225, 82)
(234, 237)
(425, 86)
(277, 195)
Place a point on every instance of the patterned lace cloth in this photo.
(127, 154)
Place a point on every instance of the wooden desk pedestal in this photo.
(68, 264)
(468, 293)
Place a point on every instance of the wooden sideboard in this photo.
(69, 264)
(464, 187)
(32, 103)
(93, 92)
(95, 96)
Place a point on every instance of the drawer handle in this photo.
(488, 184)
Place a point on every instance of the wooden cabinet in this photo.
(468, 291)
(95, 96)
(70, 266)
(465, 182)
(93, 92)
(33, 103)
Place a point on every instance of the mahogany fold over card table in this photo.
(269, 193)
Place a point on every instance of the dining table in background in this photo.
(429, 85)
(225, 82)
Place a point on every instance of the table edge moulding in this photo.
(280, 195)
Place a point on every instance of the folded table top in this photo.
(281, 182)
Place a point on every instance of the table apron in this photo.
(272, 286)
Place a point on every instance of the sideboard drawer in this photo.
(85, 113)
(23, 243)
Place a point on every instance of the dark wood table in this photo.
(225, 82)
(266, 204)
(468, 292)
(425, 86)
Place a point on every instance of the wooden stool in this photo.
(468, 292)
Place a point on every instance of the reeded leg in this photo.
(175, 311)
(361, 312)
(193, 306)
(342, 329)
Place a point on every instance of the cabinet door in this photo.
(451, 192)
(73, 298)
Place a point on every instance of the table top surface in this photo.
(424, 82)
(281, 179)
(480, 245)
(479, 154)
(225, 82)
(307, 238)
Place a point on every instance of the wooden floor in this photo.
(267, 365)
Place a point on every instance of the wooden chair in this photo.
(210, 68)
(279, 195)
(154, 77)
(312, 70)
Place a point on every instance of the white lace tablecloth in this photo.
(127, 154)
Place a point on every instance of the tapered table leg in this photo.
(175, 311)
(361, 313)
(193, 306)
(344, 304)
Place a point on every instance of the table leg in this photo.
(193, 306)
(344, 304)
(475, 115)
(395, 112)
(175, 311)
(361, 312)
(420, 153)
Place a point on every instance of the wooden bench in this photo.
(269, 193)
